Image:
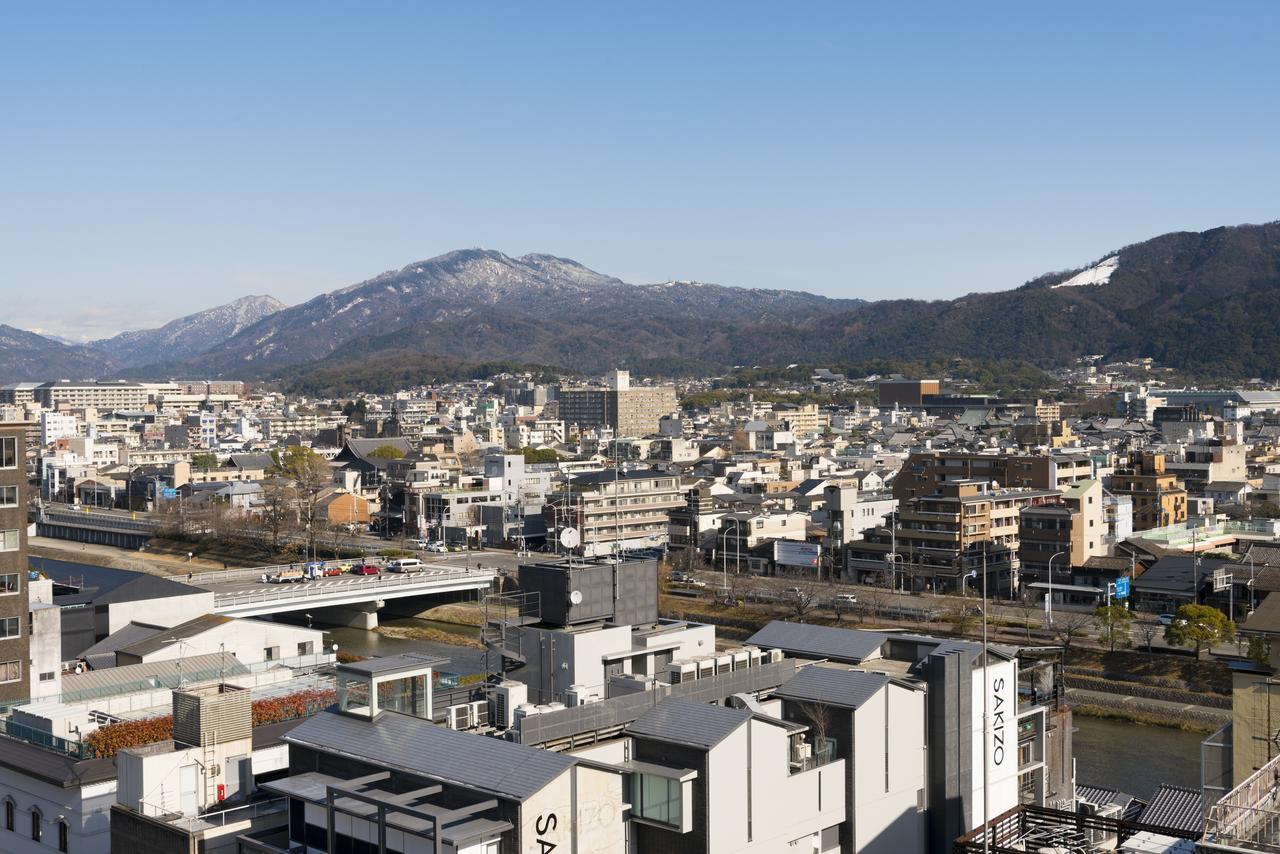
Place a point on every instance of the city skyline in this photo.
(178, 159)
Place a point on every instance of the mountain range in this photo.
(1198, 301)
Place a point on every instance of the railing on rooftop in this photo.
(1249, 815)
(47, 740)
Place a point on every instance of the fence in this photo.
(47, 740)
(321, 588)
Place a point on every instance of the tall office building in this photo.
(15, 644)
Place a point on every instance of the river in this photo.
(1114, 754)
(1134, 758)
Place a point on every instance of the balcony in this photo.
(809, 753)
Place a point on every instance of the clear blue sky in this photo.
(158, 159)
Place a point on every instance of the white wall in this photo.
(166, 612)
(246, 639)
(886, 820)
(86, 810)
(1000, 689)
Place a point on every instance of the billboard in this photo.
(793, 553)
(1122, 587)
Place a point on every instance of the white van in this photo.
(405, 564)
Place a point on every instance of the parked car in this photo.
(418, 544)
(1166, 619)
(437, 546)
(364, 569)
(844, 600)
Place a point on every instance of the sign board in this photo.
(1122, 587)
(1221, 579)
(793, 553)
(168, 492)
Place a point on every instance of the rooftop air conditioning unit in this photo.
(458, 717)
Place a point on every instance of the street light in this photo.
(1048, 600)
(895, 561)
(1251, 580)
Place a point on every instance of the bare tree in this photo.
(276, 513)
(800, 593)
(1026, 607)
(877, 599)
(1071, 626)
(310, 474)
(1148, 631)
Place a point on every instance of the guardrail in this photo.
(47, 740)
(323, 588)
(218, 576)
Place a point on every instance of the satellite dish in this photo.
(570, 538)
(575, 597)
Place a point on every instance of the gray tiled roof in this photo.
(846, 689)
(190, 629)
(809, 641)
(1175, 806)
(679, 721)
(420, 747)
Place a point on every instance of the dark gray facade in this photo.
(622, 593)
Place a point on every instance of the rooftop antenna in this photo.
(180, 642)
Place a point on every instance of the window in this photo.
(9, 583)
(659, 799)
(36, 830)
(8, 452)
(271, 653)
(10, 627)
(8, 496)
(10, 671)
(9, 541)
(9, 816)
(48, 676)
(64, 837)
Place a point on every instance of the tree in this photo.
(204, 461)
(276, 512)
(1148, 632)
(309, 473)
(1259, 650)
(1026, 606)
(1199, 626)
(961, 620)
(387, 452)
(1069, 626)
(800, 593)
(1113, 622)
(540, 455)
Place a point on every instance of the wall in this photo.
(166, 612)
(889, 772)
(86, 809)
(546, 819)
(1001, 689)
(246, 639)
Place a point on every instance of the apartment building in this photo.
(1209, 461)
(1159, 498)
(104, 395)
(15, 641)
(924, 471)
(904, 393)
(627, 410)
(740, 532)
(1072, 528)
(615, 509)
(943, 541)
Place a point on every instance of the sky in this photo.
(160, 159)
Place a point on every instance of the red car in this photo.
(365, 569)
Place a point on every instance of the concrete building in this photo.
(625, 409)
(1073, 528)
(106, 395)
(614, 509)
(925, 471)
(15, 641)
(1159, 498)
(904, 393)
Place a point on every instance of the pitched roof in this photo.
(1175, 806)
(1177, 574)
(190, 629)
(679, 721)
(830, 686)
(103, 653)
(810, 641)
(419, 747)
(134, 677)
(145, 587)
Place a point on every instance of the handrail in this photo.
(320, 588)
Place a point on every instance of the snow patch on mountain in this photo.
(1099, 274)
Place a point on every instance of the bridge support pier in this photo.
(363, 615)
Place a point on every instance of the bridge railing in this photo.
(218, 576)
(325, 588)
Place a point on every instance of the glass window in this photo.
(8, 452)
(8, 496)
(9, 816)
(10, 671)
(10, 627)
(64, 837)
(36, 829)
(9, 541)
(659, 799)
(9, 583)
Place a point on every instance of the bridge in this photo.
(104, 527)
(347, 599)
